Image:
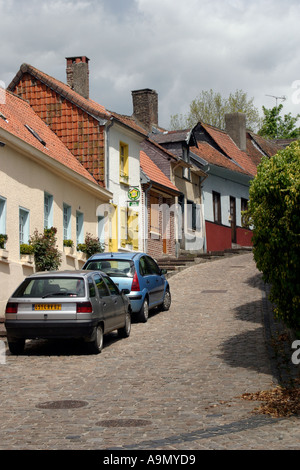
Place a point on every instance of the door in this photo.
(233, 219)
(113, 228)
(106, 302)
(157, 281)
(118, 316)
(149, 281)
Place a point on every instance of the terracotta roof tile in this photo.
(154, 173)
(18, 115)
(213, 156)
(227, 145)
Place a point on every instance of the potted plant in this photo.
(68, 247)
(90, 246)
(3, 251)
(46, 253)
(26, 252)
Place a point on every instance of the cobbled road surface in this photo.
(174, 384)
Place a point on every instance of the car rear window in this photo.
(51, 287)
(113, 267)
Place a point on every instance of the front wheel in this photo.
(144, 312)
(96, 345)
(167, 301)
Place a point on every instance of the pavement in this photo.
(175, 384)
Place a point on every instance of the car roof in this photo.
(116, 255)
(64, 273)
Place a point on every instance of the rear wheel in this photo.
(144, 312)
(17, 346)
(96, 345)
(125, 331)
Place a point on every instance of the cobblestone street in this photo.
(174, 384)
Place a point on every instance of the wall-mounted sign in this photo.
(134, 194)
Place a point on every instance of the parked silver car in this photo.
(66, 304)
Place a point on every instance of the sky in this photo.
(177, 48)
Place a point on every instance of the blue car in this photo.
(139, 276)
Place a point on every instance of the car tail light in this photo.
(135, 283)
(11, 308)
(84, 307)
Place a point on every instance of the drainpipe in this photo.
(143, 175)
(107, 151)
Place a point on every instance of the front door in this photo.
(233, 219)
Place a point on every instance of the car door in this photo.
(106, 302)
(157, 280)
(117, 302)
(148, 280)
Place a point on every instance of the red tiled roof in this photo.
(59, 87)
(213, 156)
(227, 145)
(154, 173)
(18, 114)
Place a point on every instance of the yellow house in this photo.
(42, 185)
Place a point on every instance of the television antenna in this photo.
(282, 98)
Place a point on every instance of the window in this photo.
(92, 291)
(144, 267)
(244, 207)
(23, 225)
(111, 286)
(217, 207)
(154, 214)
(153, 267)
(2, 216)
(48, 210)
(67, 221)
(79, 227)
(186, 172)
(101, 286)
(124, 166)
(191, 215)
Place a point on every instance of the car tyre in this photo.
(96, 345)
(143, 314)
(16, 347)
(125, 331)
(167, 301)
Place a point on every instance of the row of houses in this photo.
(68, 162)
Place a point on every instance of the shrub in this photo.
(26, 249)
(91, 245)
(46, 254)
(274, 208)
(3, 240)
(69, 243)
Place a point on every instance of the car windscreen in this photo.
(113, 267)
(51, 287)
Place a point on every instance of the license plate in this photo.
(47, 307)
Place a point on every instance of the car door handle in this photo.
(104, 304)
(148, 282)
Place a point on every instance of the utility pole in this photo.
(282, 98)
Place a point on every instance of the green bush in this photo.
(46, 254)
(69, 243)
(26, 249)
(274, 208)
(91, 245)
(3, 240)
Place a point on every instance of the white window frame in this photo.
(48, 210)
(24, 227)
(67, 221)
(79, 227)
(2, 215)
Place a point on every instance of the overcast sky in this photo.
(176, 48)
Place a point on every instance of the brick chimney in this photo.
(235, 124)
(78, 75)
(145, 107)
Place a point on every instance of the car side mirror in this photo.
(125, 291)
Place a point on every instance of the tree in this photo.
(210, 108)
(276, 127)
(274, 208)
